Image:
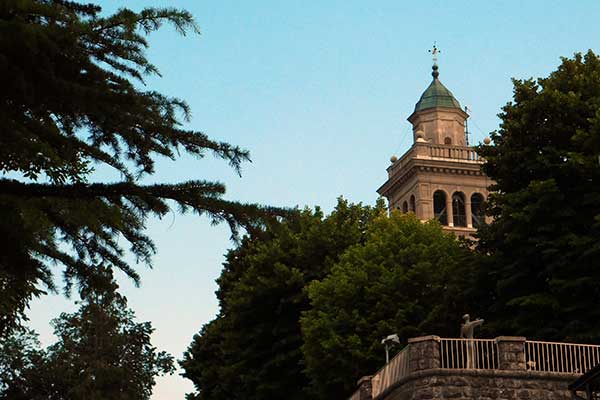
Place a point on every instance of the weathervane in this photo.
(434, 52)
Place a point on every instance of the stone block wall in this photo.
(424, 353)
(482, 385)
(511, 352)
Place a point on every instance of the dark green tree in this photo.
(408, 277)
(73, 98)
(20, 355)
(101, 353)
(544, 241)
(252, 350)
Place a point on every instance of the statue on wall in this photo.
(467, 328)
(466, 332)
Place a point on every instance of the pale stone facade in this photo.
(439, 176)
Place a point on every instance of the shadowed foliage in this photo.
(101, 353)
(409, 278)
(252, 350)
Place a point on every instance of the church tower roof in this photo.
(436, 95)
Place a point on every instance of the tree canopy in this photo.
(74, 99)
(252, 350)
(544, 241)
(409, 278)
(367, 276)
(101, 353)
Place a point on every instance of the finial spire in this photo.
(434, 52)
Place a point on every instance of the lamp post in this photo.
(388, 342)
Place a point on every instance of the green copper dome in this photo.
(436, 95)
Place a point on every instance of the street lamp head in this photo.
(391, 339)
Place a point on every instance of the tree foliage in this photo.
(73, 98)
(408, 277)
(252, 350)
(101, 353)
(544, 241)
(20, 354)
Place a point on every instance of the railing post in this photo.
(424, 353)
(511, 352)
(365, 388)
(421, 150)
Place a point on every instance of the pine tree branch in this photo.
(94, 190)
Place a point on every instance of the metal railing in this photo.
(468, 353)
(391, 373)
(561, 357)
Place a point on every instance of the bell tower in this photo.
(440, 176)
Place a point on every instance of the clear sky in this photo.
(319, 92)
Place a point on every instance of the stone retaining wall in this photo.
(510, 380)
(459, 384)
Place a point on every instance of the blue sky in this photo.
(319, 92)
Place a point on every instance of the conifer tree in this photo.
(73, 98)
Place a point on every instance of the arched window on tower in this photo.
(477, 214)
(413, 204)
(458, 209)
(405, 207)
(439, 207)
(447, 140)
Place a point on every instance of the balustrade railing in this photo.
(435, 151)
(561, 357)
(391, 373)
(454, 152)
(468, 353)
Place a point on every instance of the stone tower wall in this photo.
(435, 125)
